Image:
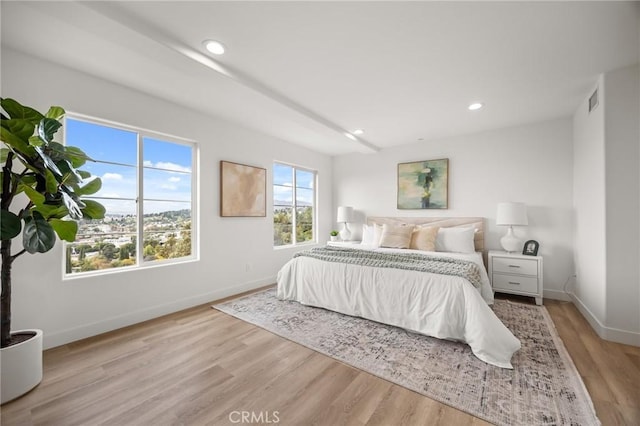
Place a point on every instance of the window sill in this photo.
(129, 269)
(294, 246)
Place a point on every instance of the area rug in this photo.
(544, 387)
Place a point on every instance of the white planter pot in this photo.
(333, 237)
(21, 366)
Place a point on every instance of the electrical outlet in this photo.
(247, 267)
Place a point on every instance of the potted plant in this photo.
(334, 235)
(43, 177)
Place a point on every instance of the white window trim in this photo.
(195, 204)
(314, 240)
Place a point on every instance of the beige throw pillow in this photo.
(396, 236)
(424, 238)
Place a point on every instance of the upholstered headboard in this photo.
(444, 222)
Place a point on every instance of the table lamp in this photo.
(511, 214)
(344, 216)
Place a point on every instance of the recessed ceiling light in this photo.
(350, 136)
(358, 132)
(214, 47)
(475, 106)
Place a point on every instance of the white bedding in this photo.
(443, 306)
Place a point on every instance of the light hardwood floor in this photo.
(201, 366)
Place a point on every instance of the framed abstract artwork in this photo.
(243, 190)
(423, 184)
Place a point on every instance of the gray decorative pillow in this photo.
(396, 236)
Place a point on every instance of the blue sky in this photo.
(283, 182)
(167, 167)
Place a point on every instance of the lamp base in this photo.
(345, 234)
(510, 242)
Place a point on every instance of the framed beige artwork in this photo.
(243, 190)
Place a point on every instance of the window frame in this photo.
(294, 205)
(141, 134)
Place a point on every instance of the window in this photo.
(294, 198)
(147, 190)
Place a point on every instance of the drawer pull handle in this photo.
(514, 266)
(514, 283)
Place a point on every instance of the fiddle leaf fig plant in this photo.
(44, 176)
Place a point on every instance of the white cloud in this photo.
(172, 166)
(167, 165)
(169, 187)
(112, 176)
(174, 179)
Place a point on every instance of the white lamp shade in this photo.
(344, 214)
(512, 214)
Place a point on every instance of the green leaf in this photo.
(28, 179)
(56, 152)
(48, 162)
(4, 152)
(35, 197)
(47, 128)
(90, 188)
(52, 183)
(77, 156)
(93, 210)
(70, 175)
(16, 110)
(72, 206)
(37, 236)
(55, 112)
(12, 140)
(36, 141)
(84, 174)
(49, 211)
(10, 225)
(20, 128)
(66, 229)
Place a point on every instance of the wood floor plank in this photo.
(200, 365)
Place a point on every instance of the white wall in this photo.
(589, 204)
(72, 309)
(622, 170)
(531, 164)
(607, 203)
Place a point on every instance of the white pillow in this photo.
(456, 240)
(377, 234)
(367, 234)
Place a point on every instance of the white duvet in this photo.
(443, 306)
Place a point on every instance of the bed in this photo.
(442, 294)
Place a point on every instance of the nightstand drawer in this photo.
(515, 266)
(515, 283)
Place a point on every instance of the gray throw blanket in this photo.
(410, 261)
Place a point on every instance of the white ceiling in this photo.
(306, 72)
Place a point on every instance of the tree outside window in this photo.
(293, 205)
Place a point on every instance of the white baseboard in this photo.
(623, 336)
(87, 330)
(607, 333)
(595, 323)
(556, 295)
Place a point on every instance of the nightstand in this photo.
(516, 274)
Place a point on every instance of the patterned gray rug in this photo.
(544, 387)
